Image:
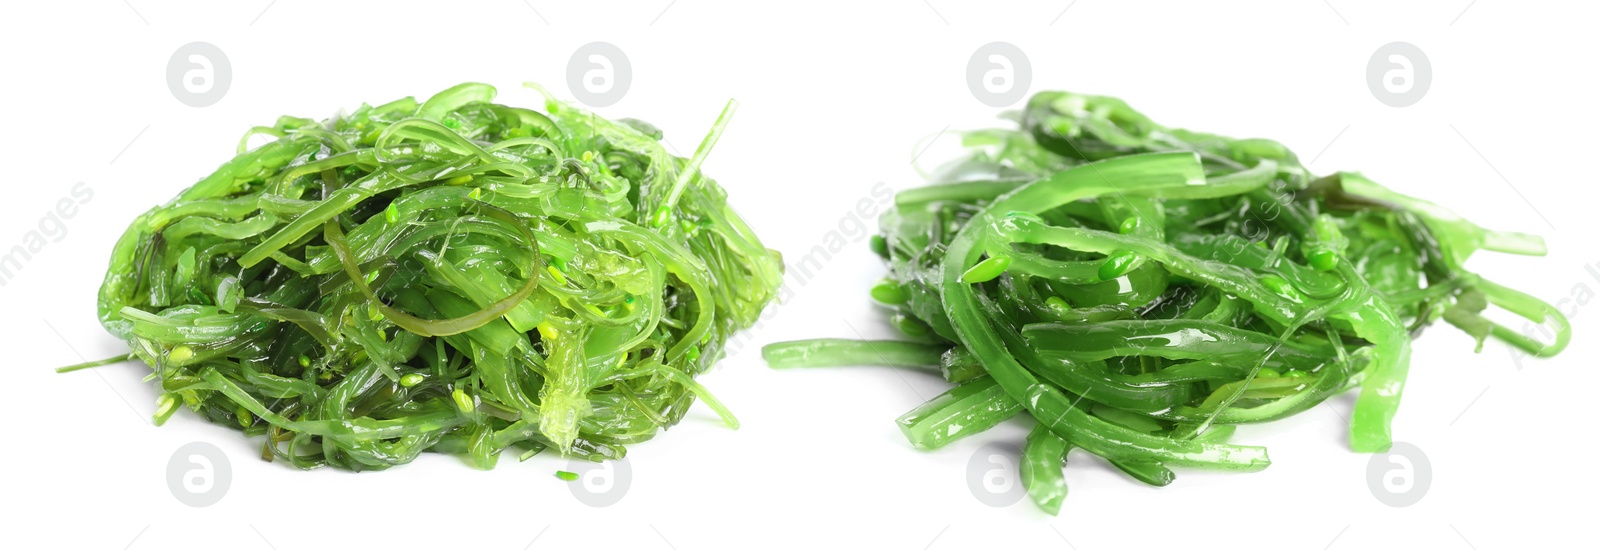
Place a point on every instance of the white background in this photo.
(835, 96)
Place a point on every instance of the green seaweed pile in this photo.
(454, 275)
(1139, 290)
